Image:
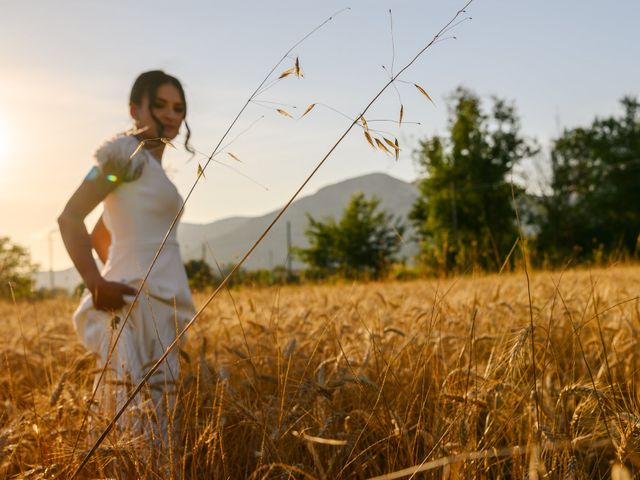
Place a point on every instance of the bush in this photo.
(362, 244)
(16, 270)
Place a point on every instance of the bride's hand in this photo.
(108, 295)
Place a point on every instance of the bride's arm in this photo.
(100, 240)
(106, 295)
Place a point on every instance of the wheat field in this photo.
(422, 379)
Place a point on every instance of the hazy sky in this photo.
(67, 67)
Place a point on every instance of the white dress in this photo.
(138, 214)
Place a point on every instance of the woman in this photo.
(140, 203)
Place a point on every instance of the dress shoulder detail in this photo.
(120, 160)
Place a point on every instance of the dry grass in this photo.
(355, 381)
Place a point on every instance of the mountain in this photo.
(229, 244)
(66, 279)
(219, 227)
(228, 239)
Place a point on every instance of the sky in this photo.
(66, 69)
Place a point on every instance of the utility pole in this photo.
(51, 277)
(289, 260)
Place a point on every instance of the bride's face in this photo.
(167, 107)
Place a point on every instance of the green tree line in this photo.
(470, 214)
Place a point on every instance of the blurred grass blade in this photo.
(308, 109)
(286, 73)
(424, 92)
(284, 113)
(368, 137)
(138, 148)
(382, 146)
(297, 69)
(234, 157)
(364, 123)
(167, 141)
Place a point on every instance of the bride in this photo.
(140, 203)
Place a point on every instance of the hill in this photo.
(228, 239)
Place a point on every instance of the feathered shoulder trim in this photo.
(120, 160)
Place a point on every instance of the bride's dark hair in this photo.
(147, 83)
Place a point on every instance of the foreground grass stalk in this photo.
(576, 332)
(523, 248)
(257, 242)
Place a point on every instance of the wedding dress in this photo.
(138, 214)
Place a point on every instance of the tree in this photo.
(594, 205)
(16, 270)
(363, 243)
(463, 216)
(199, 274)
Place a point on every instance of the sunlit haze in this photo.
(4, 141)
(67, 69)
